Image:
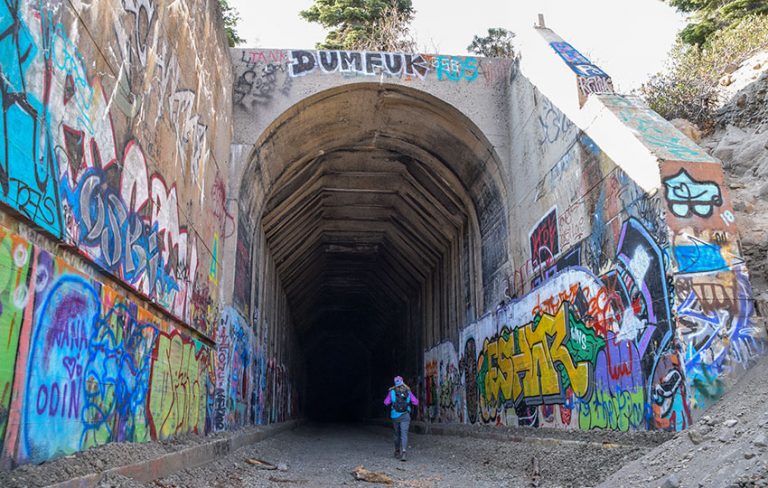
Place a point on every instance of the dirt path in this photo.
(325, 456)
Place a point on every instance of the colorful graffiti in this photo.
(443, 400)
(15, 286)
(591, 79)
(545, 243)
(633, 320)
(234, 345)
(86, 365)
(582, 350)
(181, 388)
(538, 362)
(712, 290)
(63, 166)
(89, 363)
(589, 338)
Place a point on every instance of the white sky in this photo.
(629, 39)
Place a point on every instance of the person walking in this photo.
(399, 399)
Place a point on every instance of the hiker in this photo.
(399, 399)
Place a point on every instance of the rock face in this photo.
(688, 128)
(743, 150)
(749, 105)
(741, 142)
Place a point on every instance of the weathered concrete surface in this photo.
(115, 138)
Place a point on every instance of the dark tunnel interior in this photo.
(373, 232)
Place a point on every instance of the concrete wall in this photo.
(114, 156)
(607, 249)
(629, 306)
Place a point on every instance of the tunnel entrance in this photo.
(373, 201)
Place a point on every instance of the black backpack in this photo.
(402, 400)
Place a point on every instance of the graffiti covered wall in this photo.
(713, 296)
(108, 140)
(86, 364)
(114, 137)
(629, 310)
(93, 366)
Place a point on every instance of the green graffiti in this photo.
(583, 344)
(15, 260)
(604, 410)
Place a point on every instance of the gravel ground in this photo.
(326, 455)
(95, 460)
(728, 447)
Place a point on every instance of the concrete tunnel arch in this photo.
(380, 210)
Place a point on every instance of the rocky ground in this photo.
(321, 455)
(727, 448)
(95, 460)
(326, 455)
(741, 142)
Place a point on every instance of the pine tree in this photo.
(710, 16)
(380, 25)
(497, 44)
(231, 17)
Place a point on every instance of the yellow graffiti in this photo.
(178, 395)
(522, 363)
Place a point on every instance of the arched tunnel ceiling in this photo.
(368, 189)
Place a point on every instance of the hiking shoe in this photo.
(397, 453)
(402, 457)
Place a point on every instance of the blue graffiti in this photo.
(128, 245)
(687, 196)
(455, 68)
(577, 61)
(27, 164)
(88, 373)
(117, 372)
(56, 388)
(734, 325)
(700, 257)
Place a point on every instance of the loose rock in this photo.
(695, 436)
(671, 482)
(760, 441)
